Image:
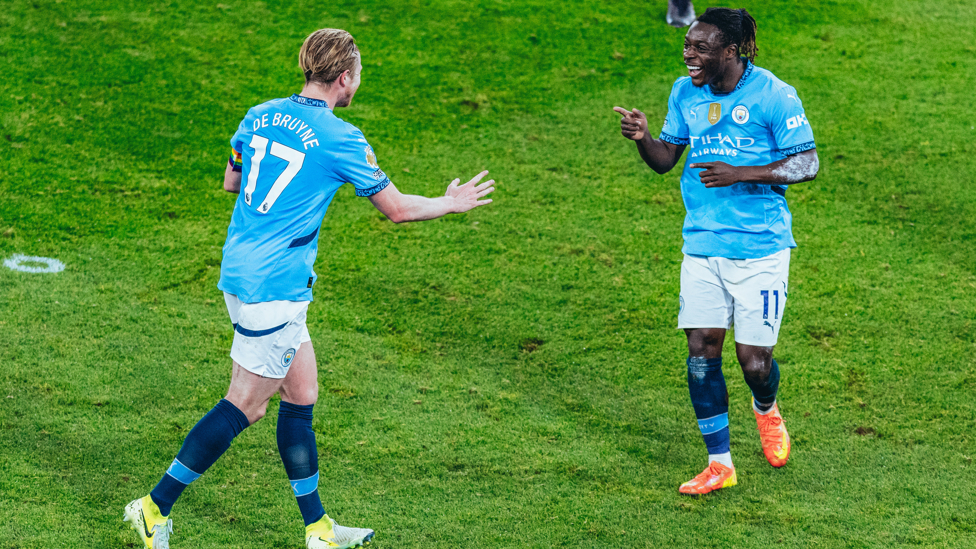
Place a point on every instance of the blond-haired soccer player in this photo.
(291, 155)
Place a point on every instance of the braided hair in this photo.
(737, 27)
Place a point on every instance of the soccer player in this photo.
(749, 139)
(291, 155)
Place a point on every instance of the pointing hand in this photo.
(633, 125)
(717, 174)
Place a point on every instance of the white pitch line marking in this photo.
(17, 263)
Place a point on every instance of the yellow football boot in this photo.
(144, 517)
(326, 534)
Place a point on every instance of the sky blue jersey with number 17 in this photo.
(294, 154)
(759, 122)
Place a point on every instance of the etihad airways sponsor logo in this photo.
(719, 144)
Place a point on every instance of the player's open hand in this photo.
(469, 196)
(717, 174)
(633, 125)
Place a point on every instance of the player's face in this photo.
(352, 84)
(704, 55)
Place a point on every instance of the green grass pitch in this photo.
(509, 377)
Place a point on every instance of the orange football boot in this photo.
(775, 439)
(712, 478)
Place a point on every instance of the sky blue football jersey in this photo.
(759, 122)
(294, 154)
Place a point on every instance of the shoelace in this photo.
(769, 430)
(162, 535)
(706, 475)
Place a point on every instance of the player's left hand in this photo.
(469, 195)
(717, 174)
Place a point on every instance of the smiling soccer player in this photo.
(294, 154)
(749, 139)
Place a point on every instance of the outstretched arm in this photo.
(661, 156)
(399, 207)
(792, 169)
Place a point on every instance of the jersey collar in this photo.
(308, 101)
(742, 79)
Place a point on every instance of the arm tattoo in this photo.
(798, 168)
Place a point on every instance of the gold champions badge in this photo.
(714, 112)
(371, 158)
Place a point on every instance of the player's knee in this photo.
(755, 370)
(756, 365)
(255, 414)
(308, 397)
(704, 343)
(302, 396)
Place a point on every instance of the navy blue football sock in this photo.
(207, 441)
(296, 444)
(765, 392)
(710, 398)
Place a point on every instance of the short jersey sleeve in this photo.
(237, 141)
(675, 130)
(788, 123)
(356, 163)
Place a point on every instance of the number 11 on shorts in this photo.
(765, 296)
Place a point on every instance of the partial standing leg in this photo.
(296, 444)
(762, 375)
(296, 439)
(710, 397)
(709, 394)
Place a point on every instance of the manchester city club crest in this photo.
(287, 357)
(740, 114)
(714, 112)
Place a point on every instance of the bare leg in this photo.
(251, 392)
(705, 342)
(762, 376)
(706, 386)
(296, 438)
(301, 385)
(756, 363)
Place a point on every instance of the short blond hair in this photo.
(326, 54)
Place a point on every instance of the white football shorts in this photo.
(267, 335)
(750, 293)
